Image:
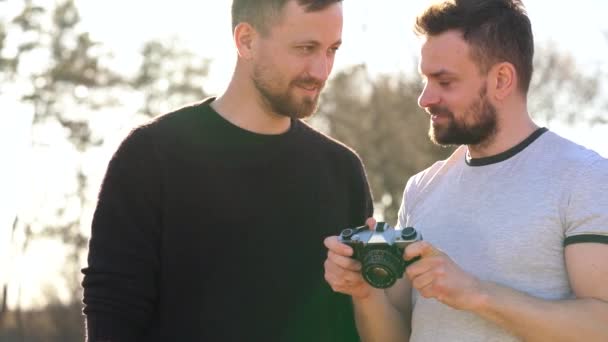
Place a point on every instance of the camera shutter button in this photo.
(347, 233)
(408, 233)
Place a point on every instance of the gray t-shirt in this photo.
(506, 221)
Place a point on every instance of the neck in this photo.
(513, 127)
(242, 105)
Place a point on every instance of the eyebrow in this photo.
(440, 73)
(315, 42)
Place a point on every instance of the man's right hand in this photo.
(342, 272)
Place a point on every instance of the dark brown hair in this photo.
(496, 30)
(262, 14)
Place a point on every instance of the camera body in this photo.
(380, 251)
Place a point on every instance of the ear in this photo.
(244, 36)
(504, 80)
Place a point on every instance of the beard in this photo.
(283, 101)
(481, 129)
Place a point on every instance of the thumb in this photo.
(371, 223)
(422, 249)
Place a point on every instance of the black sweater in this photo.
(204, 231)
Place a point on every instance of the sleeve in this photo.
(402, 215)
(364, 203)
(120, 282)
(586, 213)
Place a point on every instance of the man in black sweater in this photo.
(211, 219)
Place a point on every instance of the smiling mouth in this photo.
(309, 88)
(309, 84)
(439, 117)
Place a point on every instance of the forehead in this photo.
(298, 24)
(447, 52)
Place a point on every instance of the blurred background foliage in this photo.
(67, 83)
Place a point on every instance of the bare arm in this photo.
(584, 318)
(386, 314)
(380, 315)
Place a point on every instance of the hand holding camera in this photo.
(380, 251)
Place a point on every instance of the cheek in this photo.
(461, 105)
(290, 69)
(330, 63)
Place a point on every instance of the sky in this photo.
(377, 33)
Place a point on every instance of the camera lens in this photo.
(381, 267)
(378, 274)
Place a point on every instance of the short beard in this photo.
(481, 131)
(283, 103)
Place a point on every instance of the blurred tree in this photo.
(170, 76)
(56, 322)
(562, 91)
(379, 117)
(49, 63)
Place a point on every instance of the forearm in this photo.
(378, 320)
(535, 319)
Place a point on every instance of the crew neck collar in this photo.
(506, 154)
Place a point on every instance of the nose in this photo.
(428, 97)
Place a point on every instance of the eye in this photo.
(445, 84)
(305, 48)
(333, 50)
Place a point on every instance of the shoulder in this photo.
(585, 168)
(438, 169)
(170, 127)
(567, 157)
(326, 144)
(425, 180)
(178, 121)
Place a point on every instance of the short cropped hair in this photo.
(262, 14)
(496, 30)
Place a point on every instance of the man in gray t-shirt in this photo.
(515, 222)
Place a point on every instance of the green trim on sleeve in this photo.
(585, 238)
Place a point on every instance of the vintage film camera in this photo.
(380, 251)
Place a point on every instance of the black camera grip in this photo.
(412, 260)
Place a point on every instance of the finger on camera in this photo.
(350, 279)
(422, 280)
(333, 244)
(429, 264)
(371, 223)
(347, 290)
(340, 266)
(345, 262)
(422, 249)
(342, 278)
